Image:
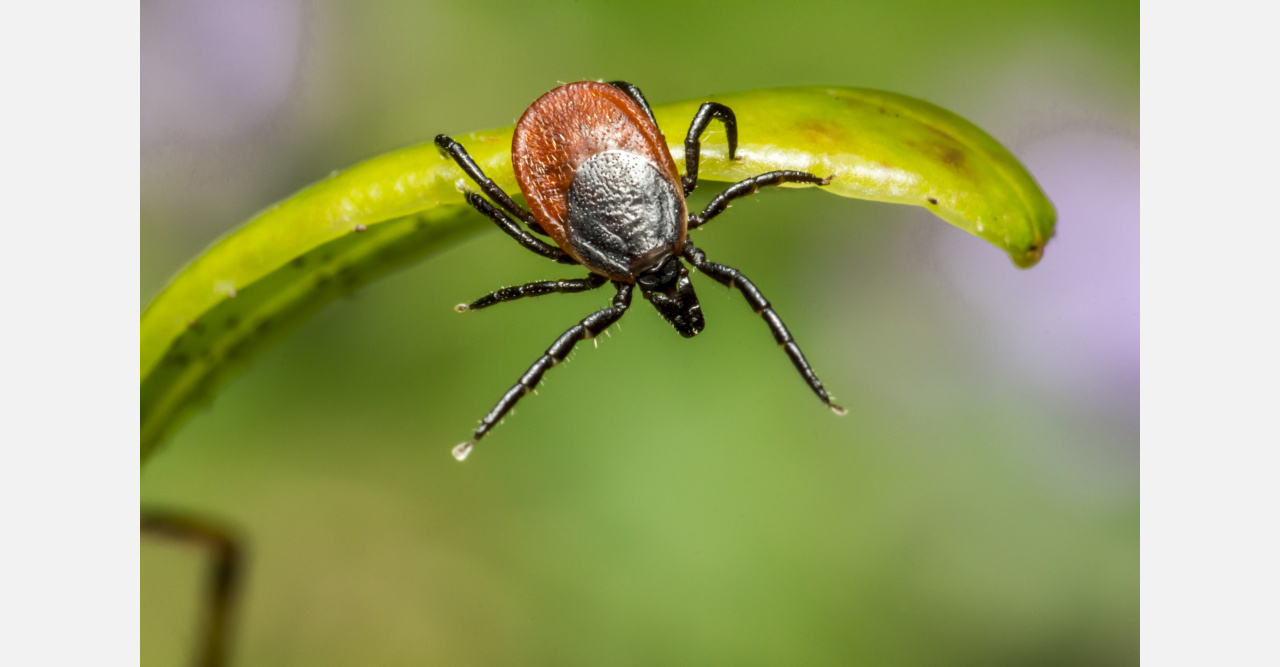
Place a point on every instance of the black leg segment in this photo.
(590, 327)
(513, 230)
(749, 187)
(534, 289)
(734, 278)
(634, 93)
(693, 146)
(487, 186)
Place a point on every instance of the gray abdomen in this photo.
(624, 214)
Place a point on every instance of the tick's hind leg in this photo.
(590, 327)
(638, 97)
(748, 187)
(534, 289)
(487, 186)
(693, 143)
(529, 241)
(734, 278)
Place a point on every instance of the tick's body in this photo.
(599, 180)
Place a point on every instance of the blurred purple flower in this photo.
(1071, 324)
(213, 69)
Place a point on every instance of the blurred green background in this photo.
(664, 500)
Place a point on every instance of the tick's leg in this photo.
(468, 165)
(749, 187)
(734, 278)
(534, 289)
(590, 327)
(634, 93)
(222, 589)
(693, 147)
(513, 230)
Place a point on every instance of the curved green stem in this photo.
(291, 259)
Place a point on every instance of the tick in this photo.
(599, 181)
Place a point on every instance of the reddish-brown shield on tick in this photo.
(599, 181)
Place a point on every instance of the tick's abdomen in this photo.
(623, 215)
(555, 139)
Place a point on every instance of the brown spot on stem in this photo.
(822, 133)
(238, 349)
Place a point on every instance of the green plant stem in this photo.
(272, 273)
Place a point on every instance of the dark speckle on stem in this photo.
(932, 200)
(237, 350)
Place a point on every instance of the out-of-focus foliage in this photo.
(664, 500)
